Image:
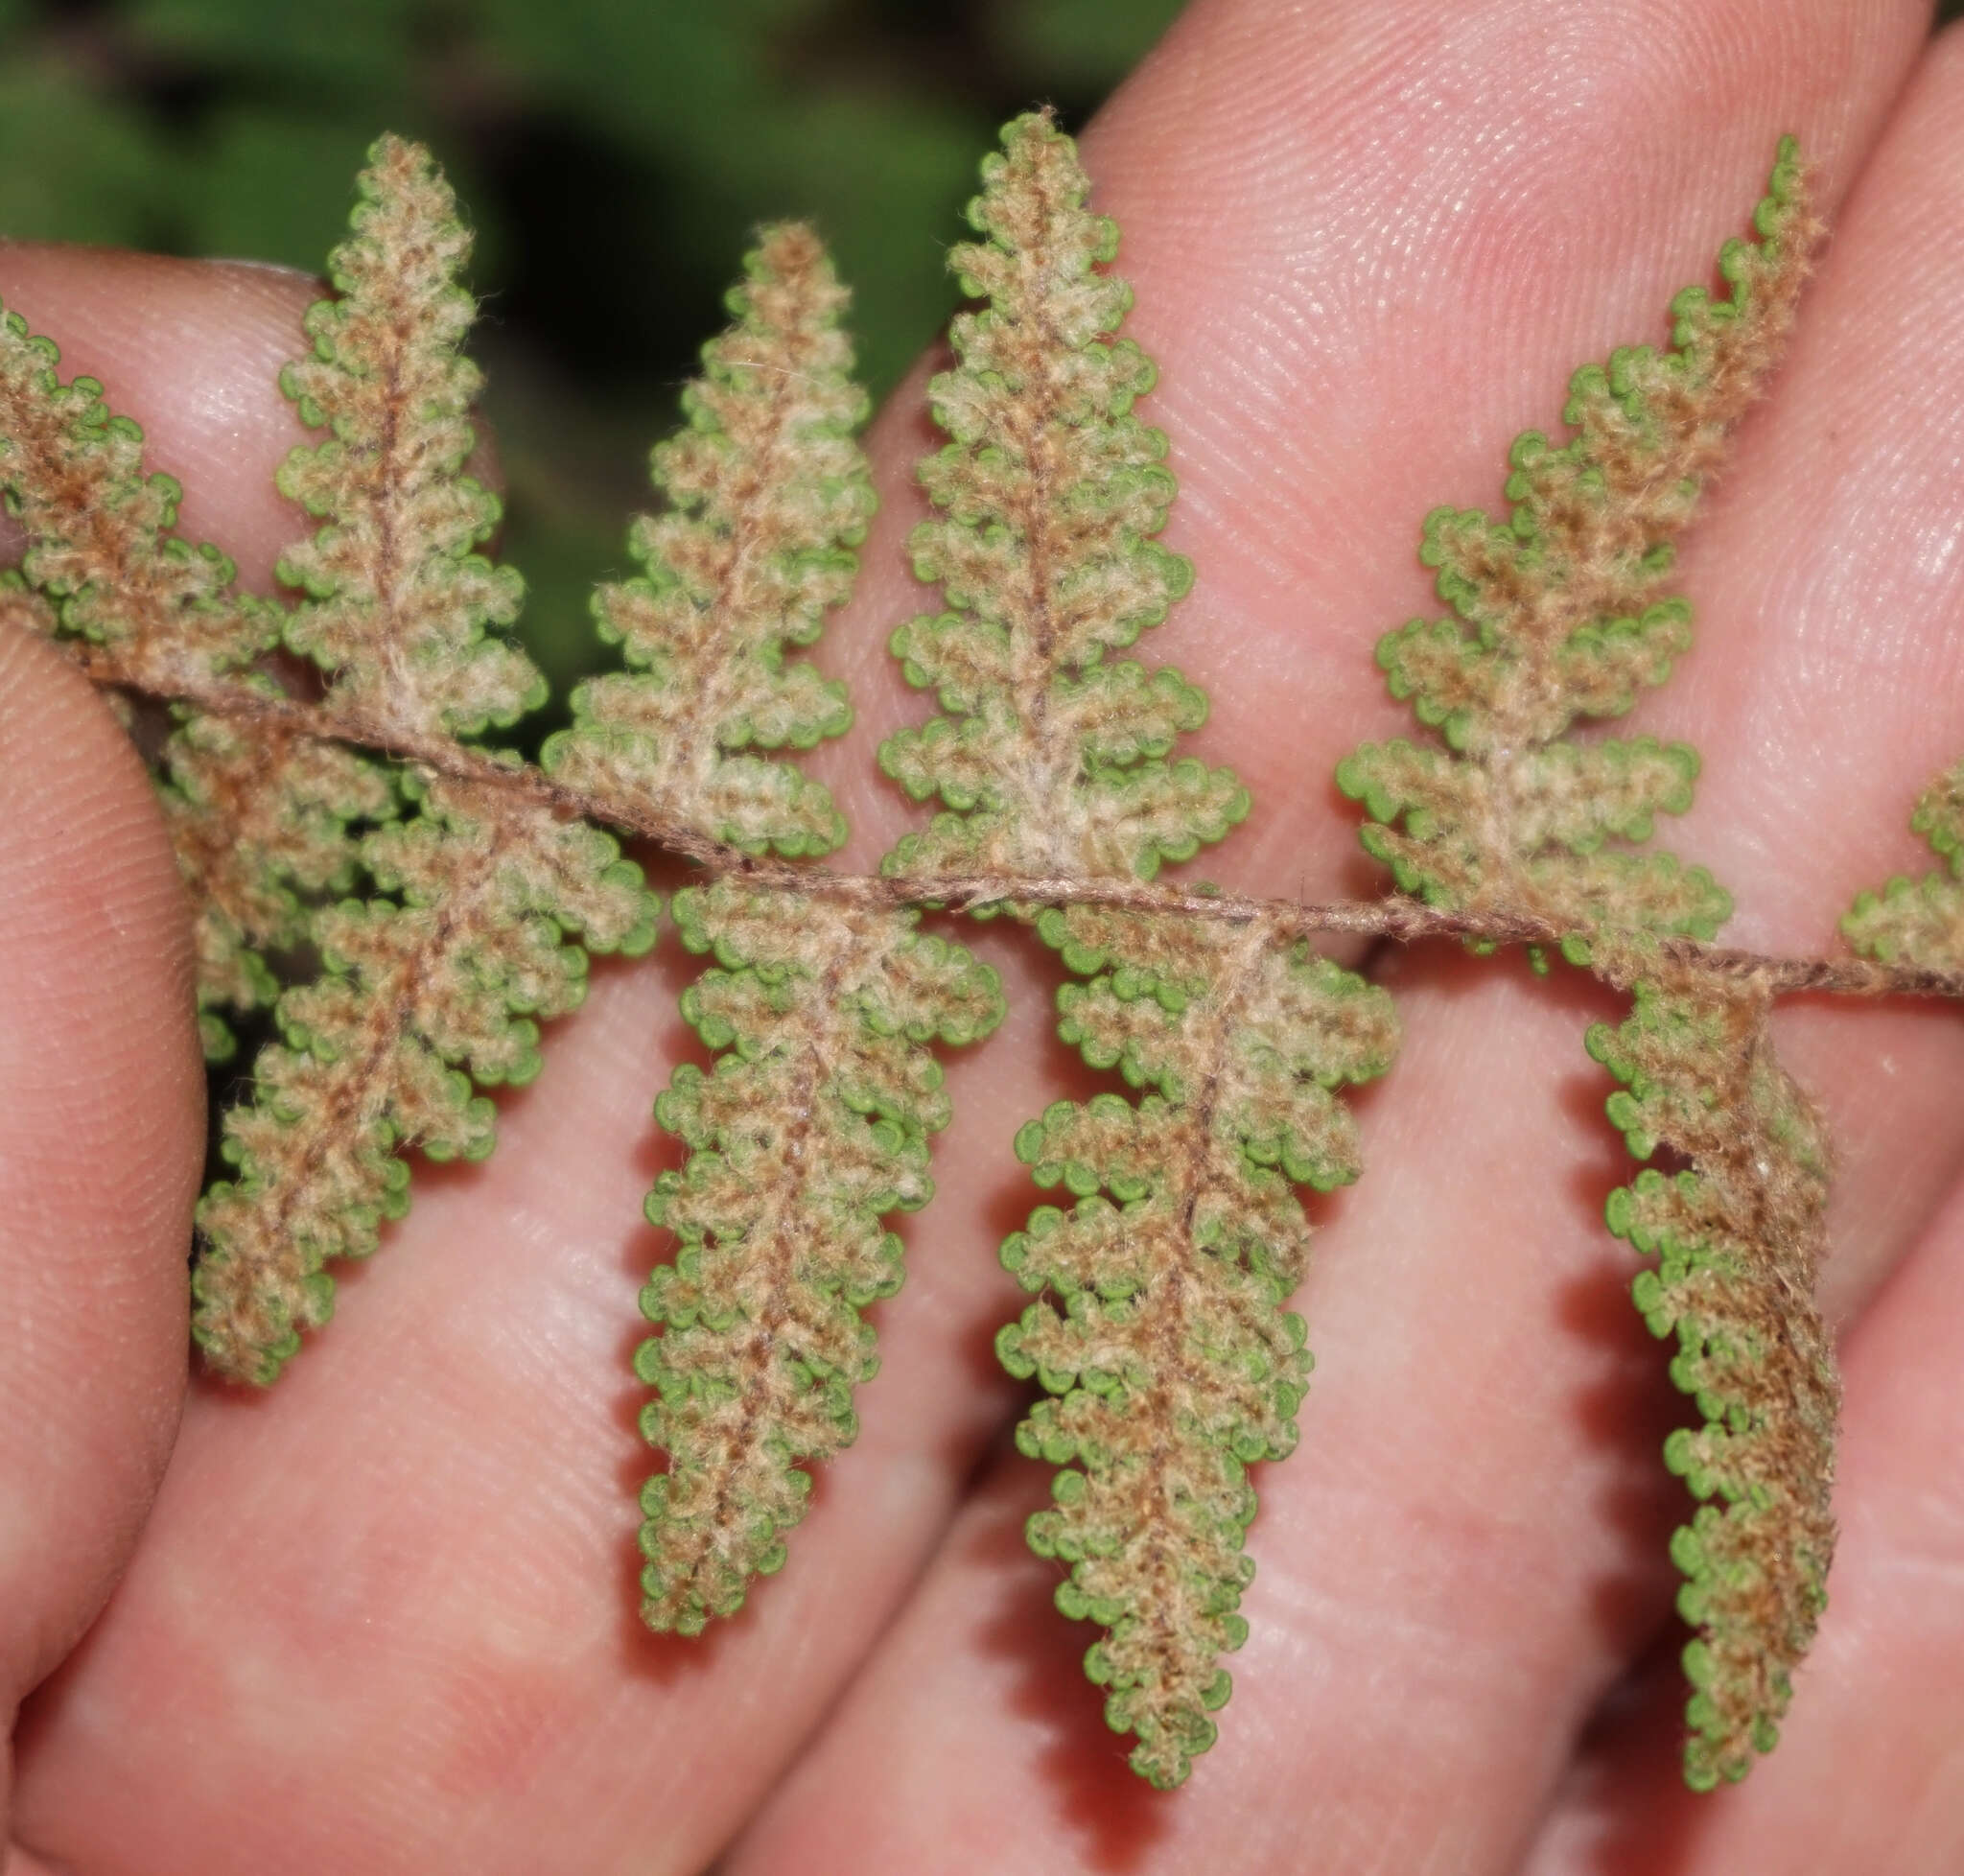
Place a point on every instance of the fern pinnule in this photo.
(437, 984)
(1739, 1238)
(815, 1120)
(1921, 920)
(1157, 1325)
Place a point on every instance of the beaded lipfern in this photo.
(419, 894)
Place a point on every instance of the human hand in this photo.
(382, 1617)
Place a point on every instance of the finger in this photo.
(101, 1136)
(1432, 1640)
(1830, 585)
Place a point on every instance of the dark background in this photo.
(611, 155)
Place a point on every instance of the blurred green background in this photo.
(612, 156)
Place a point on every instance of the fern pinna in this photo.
(1158, 1330)
(814, 1123)
(433, 984)
(419, 892)
(1559, 612)
(254, 813)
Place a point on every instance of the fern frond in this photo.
(1559, 612)
(769, 494)
(1738, 1236)
(1921, 922)
(1158, 1324)
(815, 1120)
(443, 890)
(436, 986)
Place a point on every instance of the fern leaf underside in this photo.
(815, 1120)
(1158, 1328)
(443, 912)
(1737, 1237)
(767, 497)
(249, 817)
(813, 1124)
(433, 984)
(264, 823)
(1921, 920)
(102, 540)
(1559, 614)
